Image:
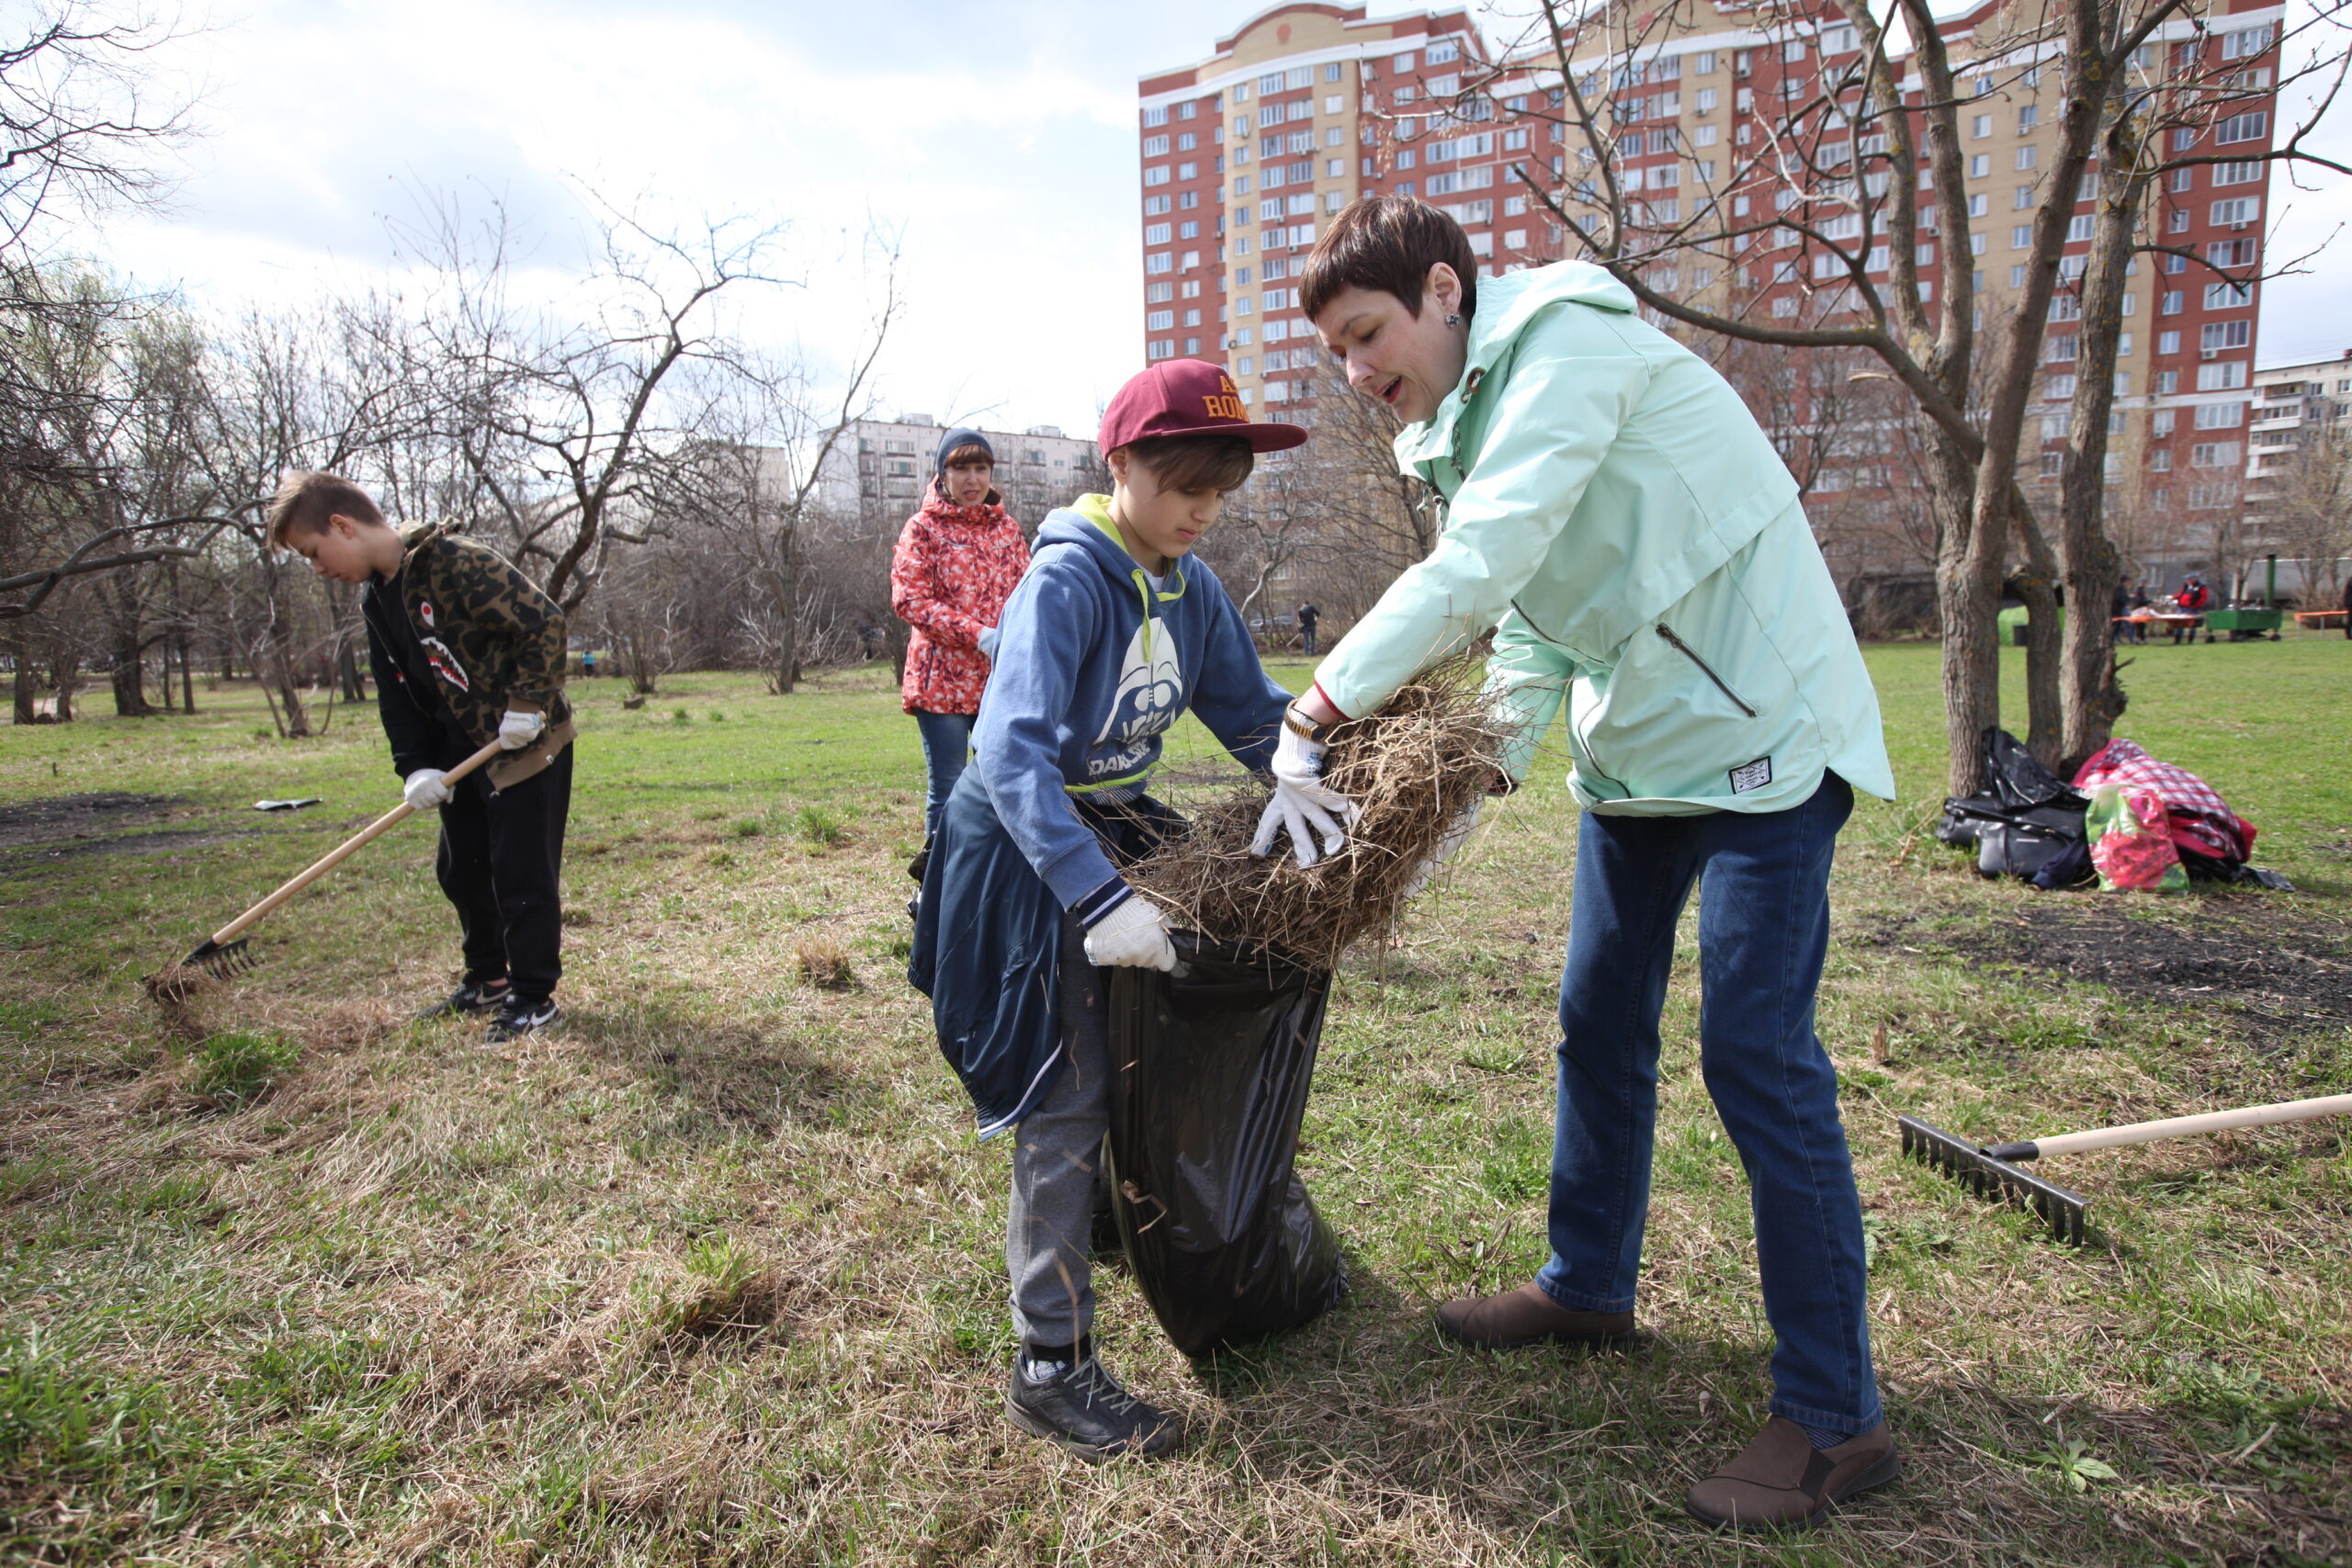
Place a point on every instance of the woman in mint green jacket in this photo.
(1615, 517)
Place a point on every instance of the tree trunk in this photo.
(2036, 583)
(783, 586)
(1968, 600)
(129, 679)
(27, 685)
(347, 671)
(65, 673)
(163, 660)
(188, 678)
(294, 719)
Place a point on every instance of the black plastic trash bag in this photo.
(2029, 821)
(1209, 1072)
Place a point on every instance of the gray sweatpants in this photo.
(1058, 1164)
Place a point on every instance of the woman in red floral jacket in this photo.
(955, 564)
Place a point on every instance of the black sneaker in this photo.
(519, 1018)
(472, 996)
(1084, 1408)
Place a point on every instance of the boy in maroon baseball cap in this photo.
(1112, 635)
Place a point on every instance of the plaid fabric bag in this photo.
(2200, 819)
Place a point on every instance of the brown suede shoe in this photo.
(1528, 1316)
(1781, 1481)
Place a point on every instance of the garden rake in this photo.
(1992, 1171)
(224, 953)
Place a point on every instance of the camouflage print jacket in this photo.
(490, 639)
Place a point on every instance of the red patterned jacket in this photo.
(954, 567)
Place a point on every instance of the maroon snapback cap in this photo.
(1187, 397)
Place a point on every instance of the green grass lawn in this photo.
(714, 1274)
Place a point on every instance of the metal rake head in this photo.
(2066, 1214)
(222, 961)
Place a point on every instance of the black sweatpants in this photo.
(500, 853)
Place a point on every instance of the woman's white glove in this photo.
(425, 789)
(1303, 806)
(1457, 833)
(988, 644)
(1133, 936)
(519, 728)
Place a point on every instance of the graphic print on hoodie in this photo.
(1147, 701)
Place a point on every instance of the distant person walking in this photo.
(955, 564)
(1307, 615)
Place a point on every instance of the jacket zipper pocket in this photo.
(1692, 654)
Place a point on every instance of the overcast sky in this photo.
(997, 140)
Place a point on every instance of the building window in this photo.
(2220, 416)
(1153, 206)
(2216, 335)
(2026, 156)
(2228, 296)
(1979, 127)
(2238, 210)
(2078, 228)
(1159, 321)
(2021, 199)
(1155, 116)
(2222, 376)
(2028, 118)
(2238, 127)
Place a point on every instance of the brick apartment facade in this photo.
(1246, 155)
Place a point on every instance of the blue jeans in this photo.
(946, 743)
(1763, 932)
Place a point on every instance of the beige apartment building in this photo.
(1247, 154)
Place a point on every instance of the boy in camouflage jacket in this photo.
(465, 649)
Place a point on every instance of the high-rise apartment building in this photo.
(1248, 154)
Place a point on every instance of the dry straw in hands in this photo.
(1412, 768)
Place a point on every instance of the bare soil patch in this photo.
(61, 818)
(2281, 974)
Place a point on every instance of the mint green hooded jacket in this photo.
(1616, 517)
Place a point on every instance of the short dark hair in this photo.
(970, 452)
(306, 498)
(1387, 242)
(1195, 462)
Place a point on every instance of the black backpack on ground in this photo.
(2028, 823)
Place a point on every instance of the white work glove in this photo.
(425, 789)
(988, 644)
(1457, 833)
(1302, 804)
(519, 728)
(1133, 936)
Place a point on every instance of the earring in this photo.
(1452, 320)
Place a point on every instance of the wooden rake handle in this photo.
(2184, 1126)
(343, 851)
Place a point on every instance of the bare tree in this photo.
(1859, 173)
(560, 417)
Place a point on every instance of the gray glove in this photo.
(519, 728)
(1457, 833)
(425, 789)
(1133, 936)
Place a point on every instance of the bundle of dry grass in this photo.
(1412, 767)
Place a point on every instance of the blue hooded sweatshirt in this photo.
(1094, 665)
(1085, 684)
